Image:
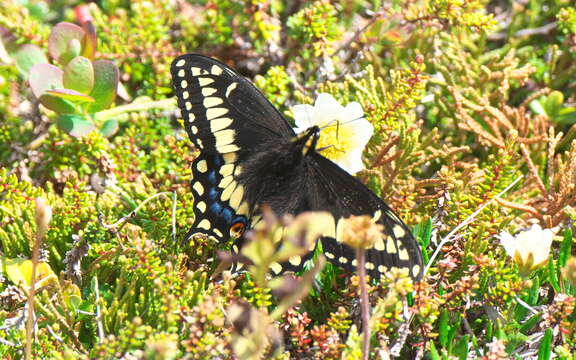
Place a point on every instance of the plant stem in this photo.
(31, 294)
(164, 104)
(365, 304)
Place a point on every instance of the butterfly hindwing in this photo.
(336, 191)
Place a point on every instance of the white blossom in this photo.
(529, 249)
(344, 130)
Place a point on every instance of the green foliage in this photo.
(567, 20)
(462, 105)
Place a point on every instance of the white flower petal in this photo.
(353, 111)
(343, 142)
(303, 117)
(508, 242)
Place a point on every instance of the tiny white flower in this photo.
(346, 133)
(529, 249)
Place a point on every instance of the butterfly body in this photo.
(251, 156)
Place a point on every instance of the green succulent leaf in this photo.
(65, 42)
(44, 77)
(27, 56)
(71, 95)
(109, 128)
(79, 75)
(106, 77)
(75, 125)
(57, 104)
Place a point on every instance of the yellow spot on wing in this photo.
(207, 91)
(390, 245)
(224, 137)
(216, 70)
(204, 224)
(403, 254)
(198, 188)
(379, 244)
(295, 260)
(229, 158)
(343, 260)
(212, 101)
(230, 88)
(205, 81)
(181, 62)
(227, 169)
(220, 124)
(236, 197)
(399, 231)
(276, 268)
(201, 206)
(228, 192)
(226, 180)
(228, 148)
(202, 166)
(215, 112)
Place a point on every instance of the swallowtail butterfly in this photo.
(249, 155)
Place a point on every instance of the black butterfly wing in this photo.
(332, 189)
(226, 117)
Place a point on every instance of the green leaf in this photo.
(565, 249)
(79, 75)
(65, 42)
(75, 125)
(19, 272)
(554, 103)
(72, 295)
(433, 352)
(27, 56)
(545, 349)
(106, 76)
(443, 328)
(71, 95)
(537, 107)
(109, 128)
(44, 77)
(57, 104)
(529, 324)
(461, 348)
(553, 275)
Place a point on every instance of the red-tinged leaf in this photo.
(71, 95)
(44, 77)
(79, 75)
(57, 104)
(27, 56)
(106, 77)
(65, 42)
(75, 125)
(90, 42)
(87, 22)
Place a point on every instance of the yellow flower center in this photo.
(336, 140)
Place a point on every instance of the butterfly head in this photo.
(307, 140)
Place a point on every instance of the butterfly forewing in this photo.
(232, 124)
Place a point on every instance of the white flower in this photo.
(529, 249)
(346, 131)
